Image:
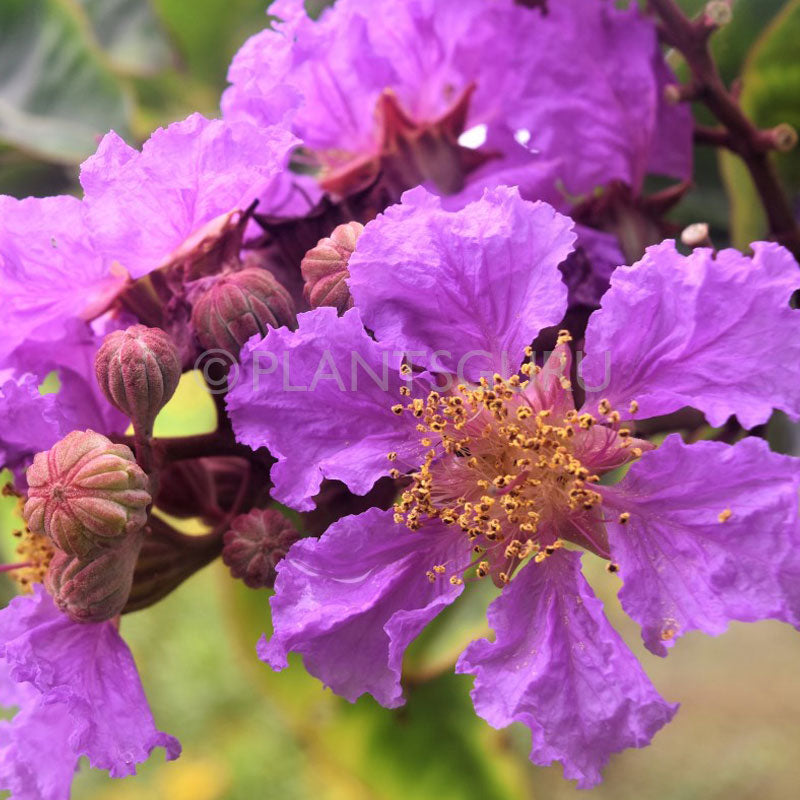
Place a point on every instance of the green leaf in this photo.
(56, 93)
(130, 34)
(770, 96)
(209, 32)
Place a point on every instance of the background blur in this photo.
(72, 69)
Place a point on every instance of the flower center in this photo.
(514, 466)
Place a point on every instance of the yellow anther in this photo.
(725, 515)
(456, 581)
(633, 407)
(397, 409)
(624, 517)
(564, 336)
(391, 456)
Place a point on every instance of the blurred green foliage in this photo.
(72, 69)
(770, 96)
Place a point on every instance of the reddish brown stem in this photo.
(183, 448)
(690, 38)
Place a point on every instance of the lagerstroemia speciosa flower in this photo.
(461, 96)
(359, 84)
(505, 466)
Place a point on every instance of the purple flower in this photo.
(185, 188)
(328, 76)
(502, 469)
(78, 694)
(583, 79)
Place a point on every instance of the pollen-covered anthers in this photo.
(496, 468)
(34, 551)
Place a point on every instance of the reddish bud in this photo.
(138, 370)
(94, 589)
(86, 493)
(239, 305)
(254, 545)
(325, 271)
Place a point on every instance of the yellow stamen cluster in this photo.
(35, 550)
(497, 468)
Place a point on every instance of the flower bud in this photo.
(94, 589)
(719, 12)
(86, 493)
(254, 545)
(138, 370)
(239, 305)
(325, 271)
(696, 235)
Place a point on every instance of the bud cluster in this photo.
(90, 498)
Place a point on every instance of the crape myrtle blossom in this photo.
(394, 87)
(77, 692)
(503, 470)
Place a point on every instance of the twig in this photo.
(738, 133)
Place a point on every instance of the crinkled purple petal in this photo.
(715, 333)
(259, 73)
(473, 286)
(49, 271)
(89, 671)
(352, 601)
(594, 97)
(320, 399)
(29, 421)
(682, 567)
(558, 666)
(144, 206)
(36, 759)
